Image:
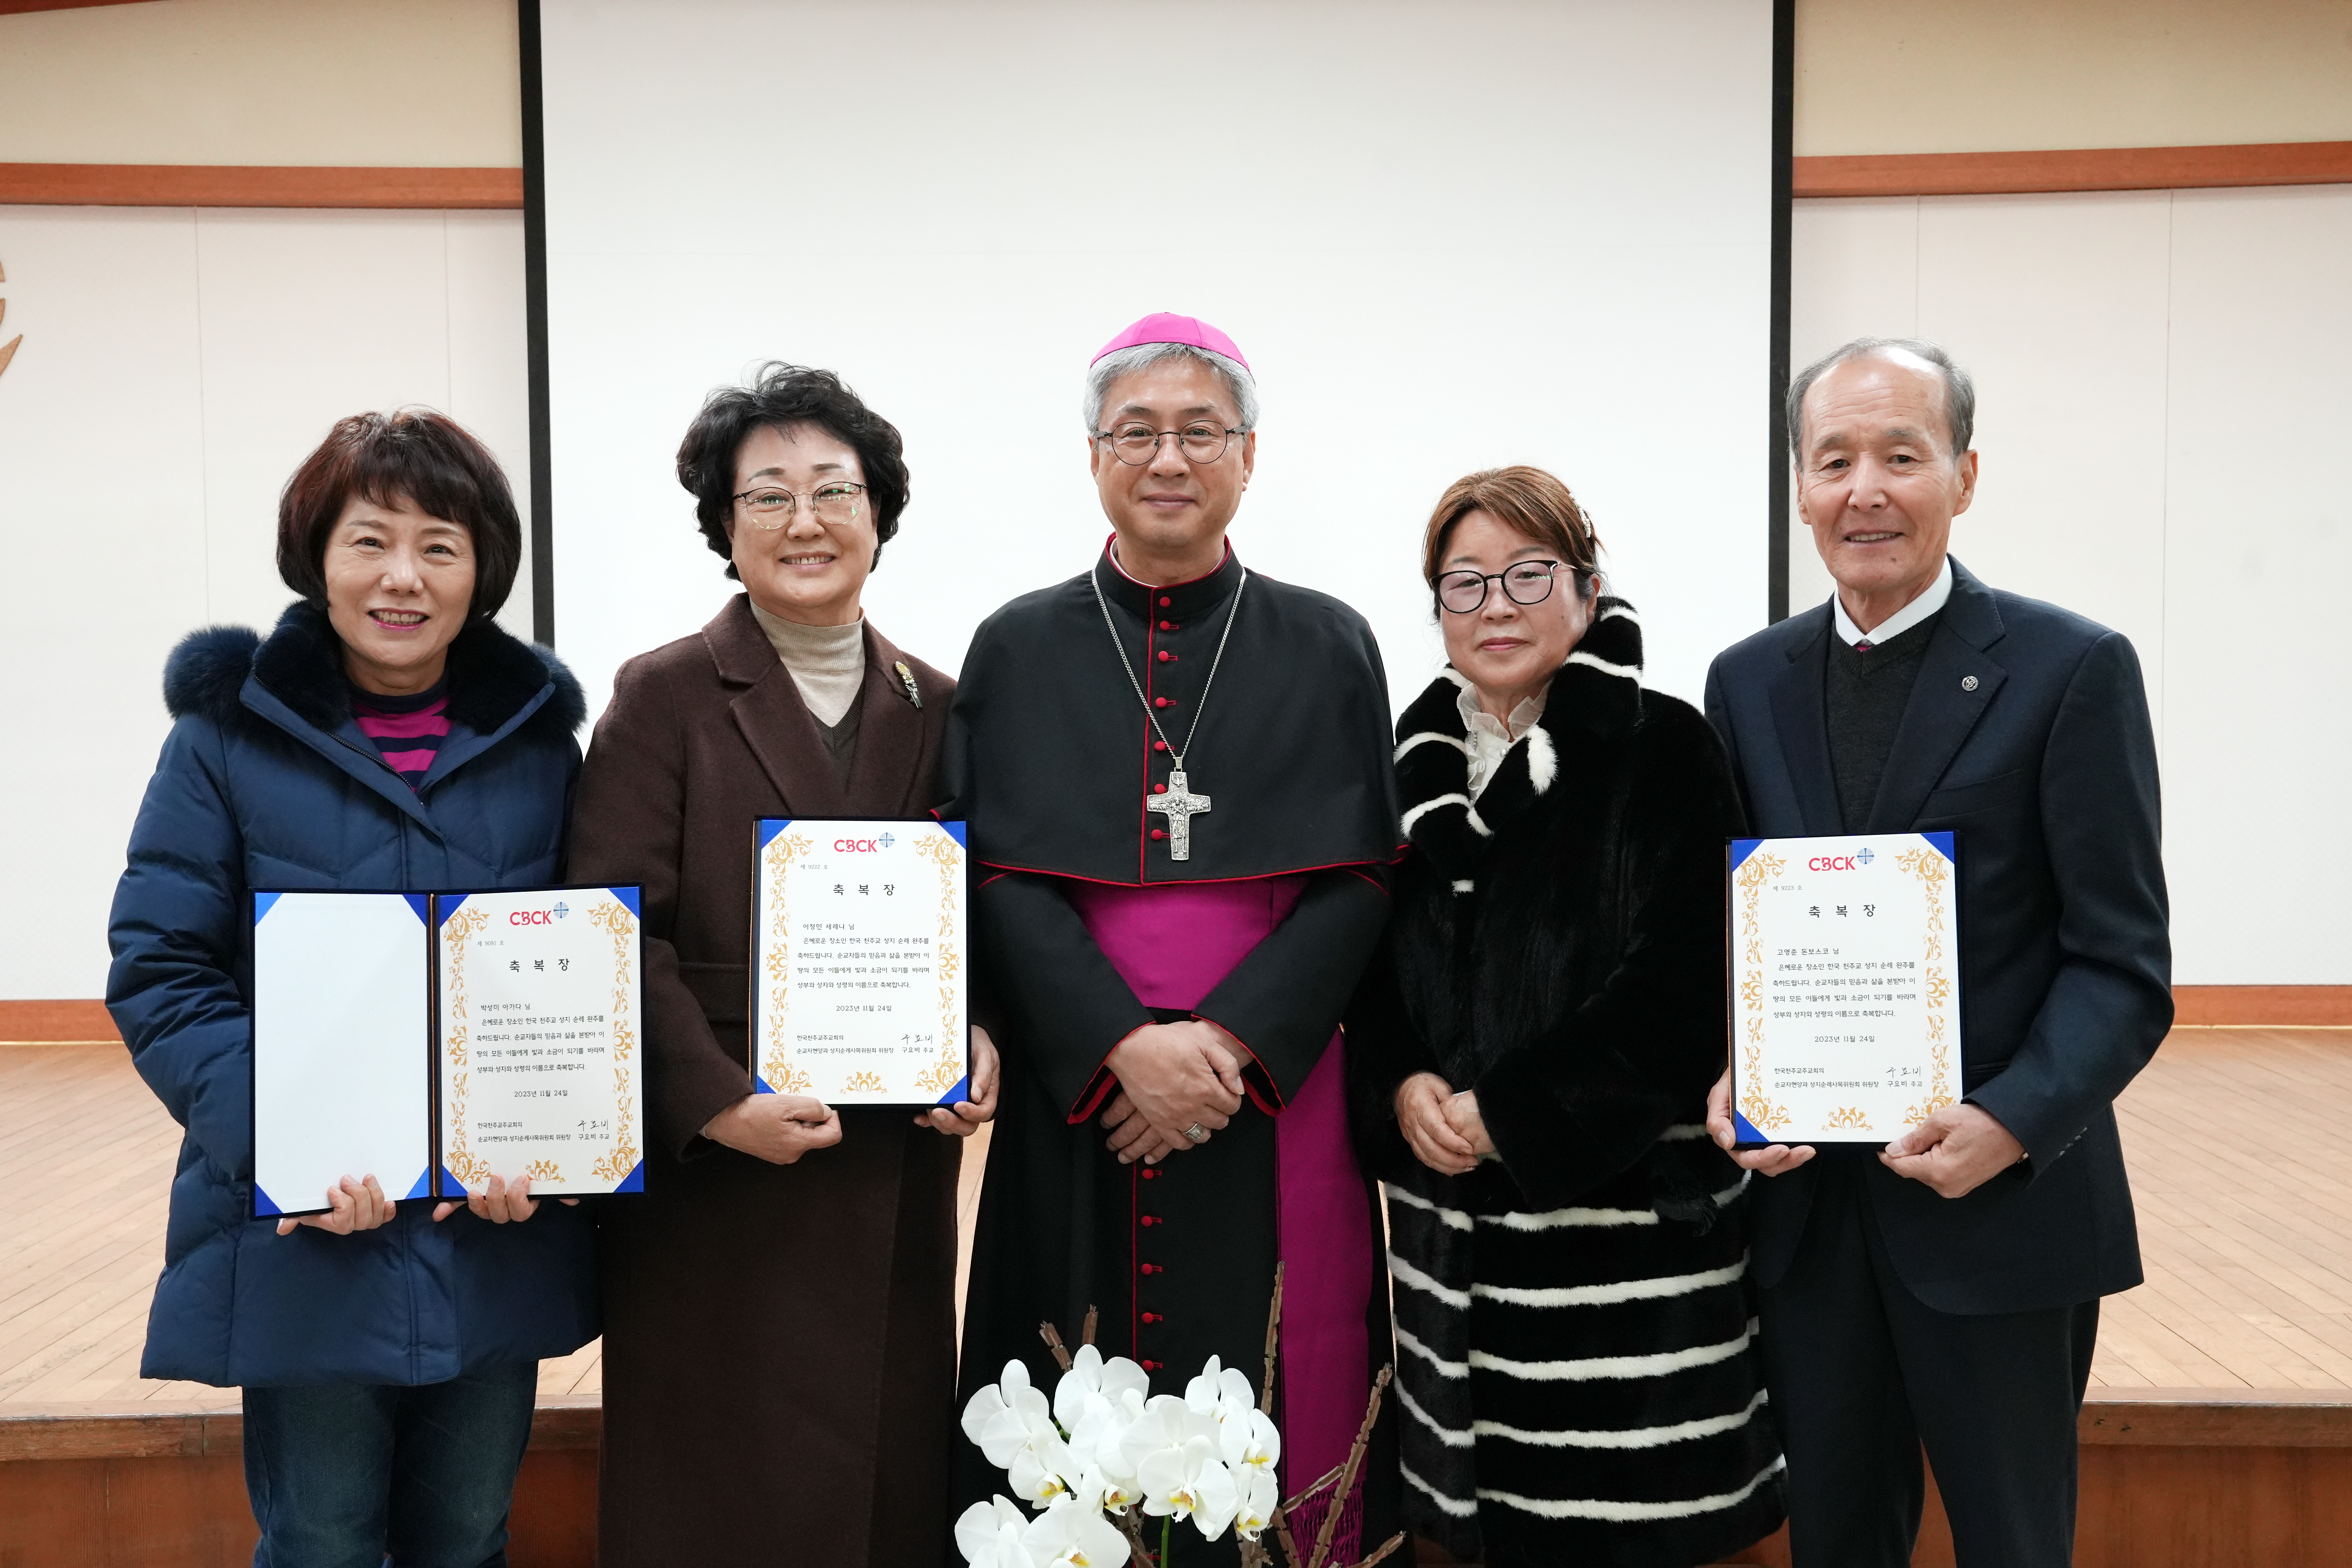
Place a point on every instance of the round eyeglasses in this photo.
(1135, 444)
(833, 503)
(1525, 582)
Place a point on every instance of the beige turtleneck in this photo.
(828, 663)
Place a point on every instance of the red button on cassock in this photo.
(1160, 789)
(1157, 834)
(1153, 1365)
(1149, 1174)
(1167, 658)
(1167, 626)
(1158, 745)
(1155, 1316)
(1154, 1268)
(1160, 703)
(1165, 601)
(1150, 1219)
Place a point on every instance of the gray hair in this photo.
(1959, 391)
(1110, 367)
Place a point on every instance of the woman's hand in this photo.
(499, 1203)
(962, 1118)
(1422, 1101)
(1462, 1115)
(1777, 1161)
(1173, 1077)
(777, 1128)
(354, 1204)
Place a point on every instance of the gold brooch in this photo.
(907, 675)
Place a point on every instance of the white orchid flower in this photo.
(1260, 1495)
(1220, 1391)
(1164, 1423)
(1072, 1535)
(1098, 1441)
(1249, 1440)
(1191, 1483)
(1092, 1378)
(989, 1535)
(1008, 1415)
(1043, 1469)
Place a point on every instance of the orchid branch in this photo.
(1347, 1474)
(1273, 1327)
(1053, 1338)
(1391, 1544)
(1089, 1336)
(1313, 1487)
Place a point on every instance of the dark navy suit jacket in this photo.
(2027, 735)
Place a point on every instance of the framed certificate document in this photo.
(434, 1040)
(1844, 986)
(859, 960)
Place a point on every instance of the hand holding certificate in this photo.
(1844, 988)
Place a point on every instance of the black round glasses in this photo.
(1525, 582)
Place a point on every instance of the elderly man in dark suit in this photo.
(1946, 1289)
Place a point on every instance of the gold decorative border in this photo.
(622, 1156)
(938, 847)
(457, 1159)
(1927, 863)
(777, 1069)
(1762, 1112)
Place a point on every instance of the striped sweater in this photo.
(409, 730)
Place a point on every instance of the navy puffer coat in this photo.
(266, 781)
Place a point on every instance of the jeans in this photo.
(361, 1475)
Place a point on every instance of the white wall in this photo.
(1447, 237)
(176, 366)
(2162, 407)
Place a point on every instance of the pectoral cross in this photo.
(1181, 805)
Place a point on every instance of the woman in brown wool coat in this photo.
(779, 1305)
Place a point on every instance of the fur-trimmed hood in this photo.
(1596, 695)
(492, 675)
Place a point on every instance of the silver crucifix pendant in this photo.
(1181, 805)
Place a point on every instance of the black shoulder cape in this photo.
(1051, 756)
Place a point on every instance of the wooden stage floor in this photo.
(2243, 1182)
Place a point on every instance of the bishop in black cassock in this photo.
(1087, 926)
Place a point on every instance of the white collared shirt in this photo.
(1902, 620)
(1490, 739)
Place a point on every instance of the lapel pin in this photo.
(915, 696)
(1967, 682)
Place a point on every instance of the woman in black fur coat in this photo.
(1529, 1062)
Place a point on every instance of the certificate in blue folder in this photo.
(432, 1041)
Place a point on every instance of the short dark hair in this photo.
(783, 395)
(412, 455)
(1529, 499)
(1960, 387)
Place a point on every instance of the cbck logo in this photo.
(1863, 856)
(563, 910)
(886, 841)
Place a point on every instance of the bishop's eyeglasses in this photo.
(1526, 583)
(835, 502)
(1136, 443)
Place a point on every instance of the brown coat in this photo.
(774, 1335)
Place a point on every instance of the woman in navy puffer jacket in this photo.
(387, 735)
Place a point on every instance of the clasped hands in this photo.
(1956, 1151)
(1444, 1129)
(357, 1204)
(1171, 1078)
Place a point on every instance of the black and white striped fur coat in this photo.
(1577, 1363)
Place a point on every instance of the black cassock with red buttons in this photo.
(1051, 761)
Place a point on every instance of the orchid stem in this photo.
(1166, 1523)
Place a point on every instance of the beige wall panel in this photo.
(1985, 76)
(2057, 305)
(1853, 272)
(490, 362)
(368, 83)
(102, 521)
(2259, 678)
(307, 317)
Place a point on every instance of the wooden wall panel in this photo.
(2074, 169)
(255, 185)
